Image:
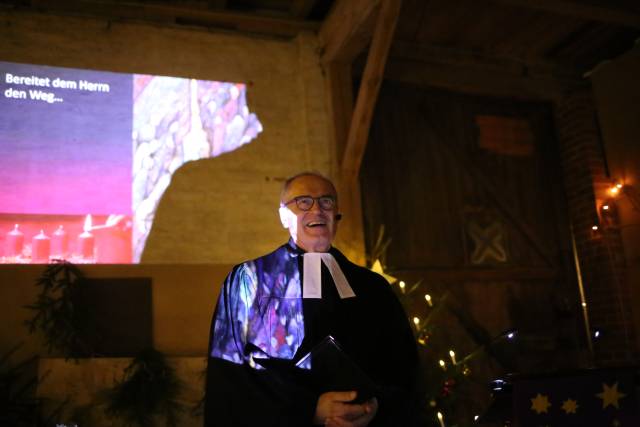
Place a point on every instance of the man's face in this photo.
(311, 230)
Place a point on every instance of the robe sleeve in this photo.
(237, 393)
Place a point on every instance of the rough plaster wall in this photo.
(220, 210)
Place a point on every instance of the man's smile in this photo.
(317, 224)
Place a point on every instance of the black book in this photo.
(333, 370)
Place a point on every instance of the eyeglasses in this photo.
(305, 203)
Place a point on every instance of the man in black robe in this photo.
(273, 310)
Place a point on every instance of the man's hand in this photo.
(333, 409)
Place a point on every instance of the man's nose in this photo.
(316, 206)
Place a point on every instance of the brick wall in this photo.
(601, 254)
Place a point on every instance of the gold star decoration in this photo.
(377, 268)
(540, 404)
(610, 396)
(570, 406)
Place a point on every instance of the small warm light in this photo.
(596, 334)
(618, 186)
(442, 364)
(476, 418)
(416, 321)
(440, 419)
(452, 354)
(614, 190)
(605, 207)
(423, 338)
(510, 335)
(584, 304)
(402, 285)
(428, 298)
(594, 228)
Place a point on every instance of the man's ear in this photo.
(285, 216)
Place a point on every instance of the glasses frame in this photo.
(297, 200)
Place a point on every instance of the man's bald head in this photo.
(287, 184)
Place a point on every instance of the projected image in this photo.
(85, 156)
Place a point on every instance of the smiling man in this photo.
(272, 311)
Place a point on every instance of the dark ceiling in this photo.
(570, 35)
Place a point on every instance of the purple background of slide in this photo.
(71, 157)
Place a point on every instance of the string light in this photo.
(402, 285)
(416, 321)
(423, 337)
(452, 354)
(442, 364)
(441, 419)
(594, 228)
(605, 207)
(614, 190)
(428, 298)
(476, 418)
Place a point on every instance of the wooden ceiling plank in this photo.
(300, 9)
(478, 81)
(369, 88)
(347, 29)
(477, 73)
(579, 9)
(151, 12)
(218, 4)
(475, 60)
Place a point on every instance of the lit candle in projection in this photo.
(40, 248)
(14, 242)
(59, 243)
(86, 240)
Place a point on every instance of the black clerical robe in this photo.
(262, 326)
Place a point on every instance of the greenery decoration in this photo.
(445, 375)
(149, 390)
(62, 323)
(19, 405)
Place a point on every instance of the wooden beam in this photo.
(480, 60)
(486, 274)
(604, 12)
(339, 85)
(347, 29)
(478, 73)
(300, 9)
(369, 88)
(161, 13)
